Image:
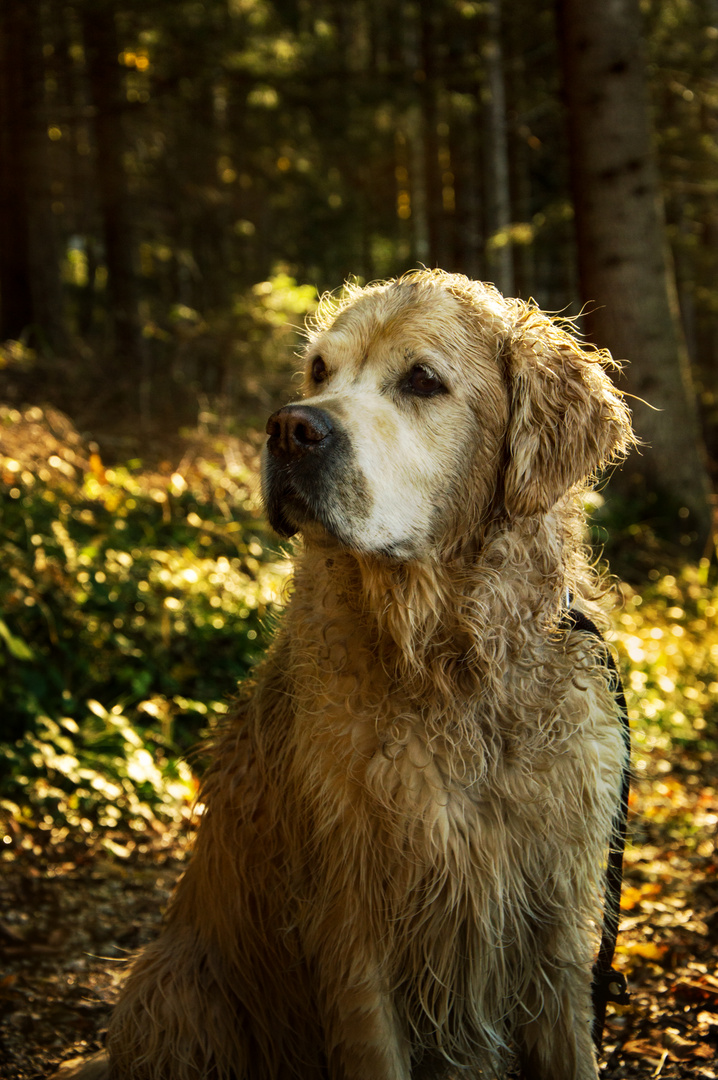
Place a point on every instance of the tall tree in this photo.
(102, 51)
(30, 286)
(500, 260)
(43, 225)
(625, 271)
(16, 303)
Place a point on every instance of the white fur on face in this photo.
(412, 454)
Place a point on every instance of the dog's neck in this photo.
(455, 616)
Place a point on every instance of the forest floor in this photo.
(71, 917)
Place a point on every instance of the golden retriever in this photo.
(398, 871)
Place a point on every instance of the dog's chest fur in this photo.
(453, 825)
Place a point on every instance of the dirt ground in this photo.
(70, 918)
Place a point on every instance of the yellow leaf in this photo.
(648, 950)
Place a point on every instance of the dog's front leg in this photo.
(557, 1044)
(363, 1041)
(363, 1036)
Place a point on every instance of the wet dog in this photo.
(398, 871)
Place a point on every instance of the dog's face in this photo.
(400, 407)
(400, 443)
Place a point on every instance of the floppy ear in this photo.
(567, 419)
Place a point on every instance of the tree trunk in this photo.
(499, 254)
(417, 142)
(44, 209)
(17, 311)
(625, 270)
(468, 230)
(428, 86)
(107, 90)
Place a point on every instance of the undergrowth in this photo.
(131, 604)
(133, 601)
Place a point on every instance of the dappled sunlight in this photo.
(133, 603)
(667, 640)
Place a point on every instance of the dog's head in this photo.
(431, 406)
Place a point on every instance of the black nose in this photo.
(297, 430)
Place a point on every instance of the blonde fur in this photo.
(398, 871)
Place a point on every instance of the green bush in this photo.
(126, 589)
(667, 635)
(132, 602)
(67, 786)
(124, 596)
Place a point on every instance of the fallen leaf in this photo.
(649, 950)
(632, 896)
(703, 989)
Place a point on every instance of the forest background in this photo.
(179, 182)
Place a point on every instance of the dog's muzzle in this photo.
(305, 457)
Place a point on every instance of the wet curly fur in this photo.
(398, 871)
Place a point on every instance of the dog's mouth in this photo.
(285, 516)
(288, 508)
(293, 506)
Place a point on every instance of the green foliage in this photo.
(236, 362)
(68, 784)
(668, 636)
(665, 629)
(641, 531)
(16, 354)
(133, 601)
(267, 322)
(126, 589)
(132, 604)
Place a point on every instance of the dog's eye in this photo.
(423, 382)
(319, 370)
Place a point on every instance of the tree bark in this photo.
(107, 90)
(417, 143)
(469, 238)
(625, 270)
(499, 253)
(16, 304)
(44, 211)
(430, 33)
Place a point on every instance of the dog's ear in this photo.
(567, 419)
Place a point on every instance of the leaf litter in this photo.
(73, 914)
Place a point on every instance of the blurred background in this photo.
(179, 182)
(178, 178)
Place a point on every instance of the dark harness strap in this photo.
(608, 984)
